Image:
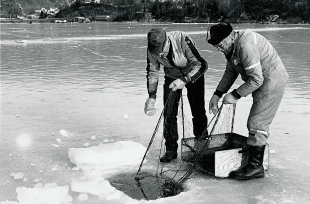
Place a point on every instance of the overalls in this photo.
(264, 76)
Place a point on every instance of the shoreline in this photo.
(52, 20)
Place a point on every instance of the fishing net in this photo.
(156, 179)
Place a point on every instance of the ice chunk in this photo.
(38, 185)
(49, 194)
(19, 175)
(114, 196)
(108, 156)
(65, 133)
(83, 197)
(9, 202)
(96, 186)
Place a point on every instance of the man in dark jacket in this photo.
(254, 58)
(183, 67)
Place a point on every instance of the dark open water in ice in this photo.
(89, 79)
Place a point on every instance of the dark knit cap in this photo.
(156, 40)
(218, 32)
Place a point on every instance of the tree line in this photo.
(236, 11)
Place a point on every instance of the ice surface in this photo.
(95, 161)
(59, 76)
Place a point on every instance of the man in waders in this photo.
(254, 58)
(183, 67)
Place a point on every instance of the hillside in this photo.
(11, 8)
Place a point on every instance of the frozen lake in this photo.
(89, 80)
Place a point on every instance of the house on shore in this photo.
(81, 20)
(102, 18)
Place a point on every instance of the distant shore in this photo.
(53, 20)
(15, 20)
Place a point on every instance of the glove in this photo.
(149, 107)
(177, 84)
(230, 99)
(213, 104)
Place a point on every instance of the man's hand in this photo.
(149, 107)
(177, 84)
(213, 104)
(230, 99)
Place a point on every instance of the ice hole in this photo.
(146, 186)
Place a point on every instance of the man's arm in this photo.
(198, 65)
(251, 62)
(227, 80)
(152, 75)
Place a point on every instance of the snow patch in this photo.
(50, 193)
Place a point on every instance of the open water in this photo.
(89, 79)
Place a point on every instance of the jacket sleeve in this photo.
(228, 79)
(152, 75)
(198, 65)
(250, 57)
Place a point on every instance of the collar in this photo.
(166, 47)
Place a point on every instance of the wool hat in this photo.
(218, 32)
(156, 40)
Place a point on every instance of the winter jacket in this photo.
(258, 63)
(183, 61)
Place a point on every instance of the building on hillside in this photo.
(88, 1)
(144, 15)
(92, 1)
(79, 19)
(102, 18)
(52, 11)
(120, 2)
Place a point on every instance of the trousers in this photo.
(266, 102)
(196, 98)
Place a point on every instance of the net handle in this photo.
(154, 133)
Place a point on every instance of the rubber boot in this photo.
(233, 173)
(254, 168)
(169, 155)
